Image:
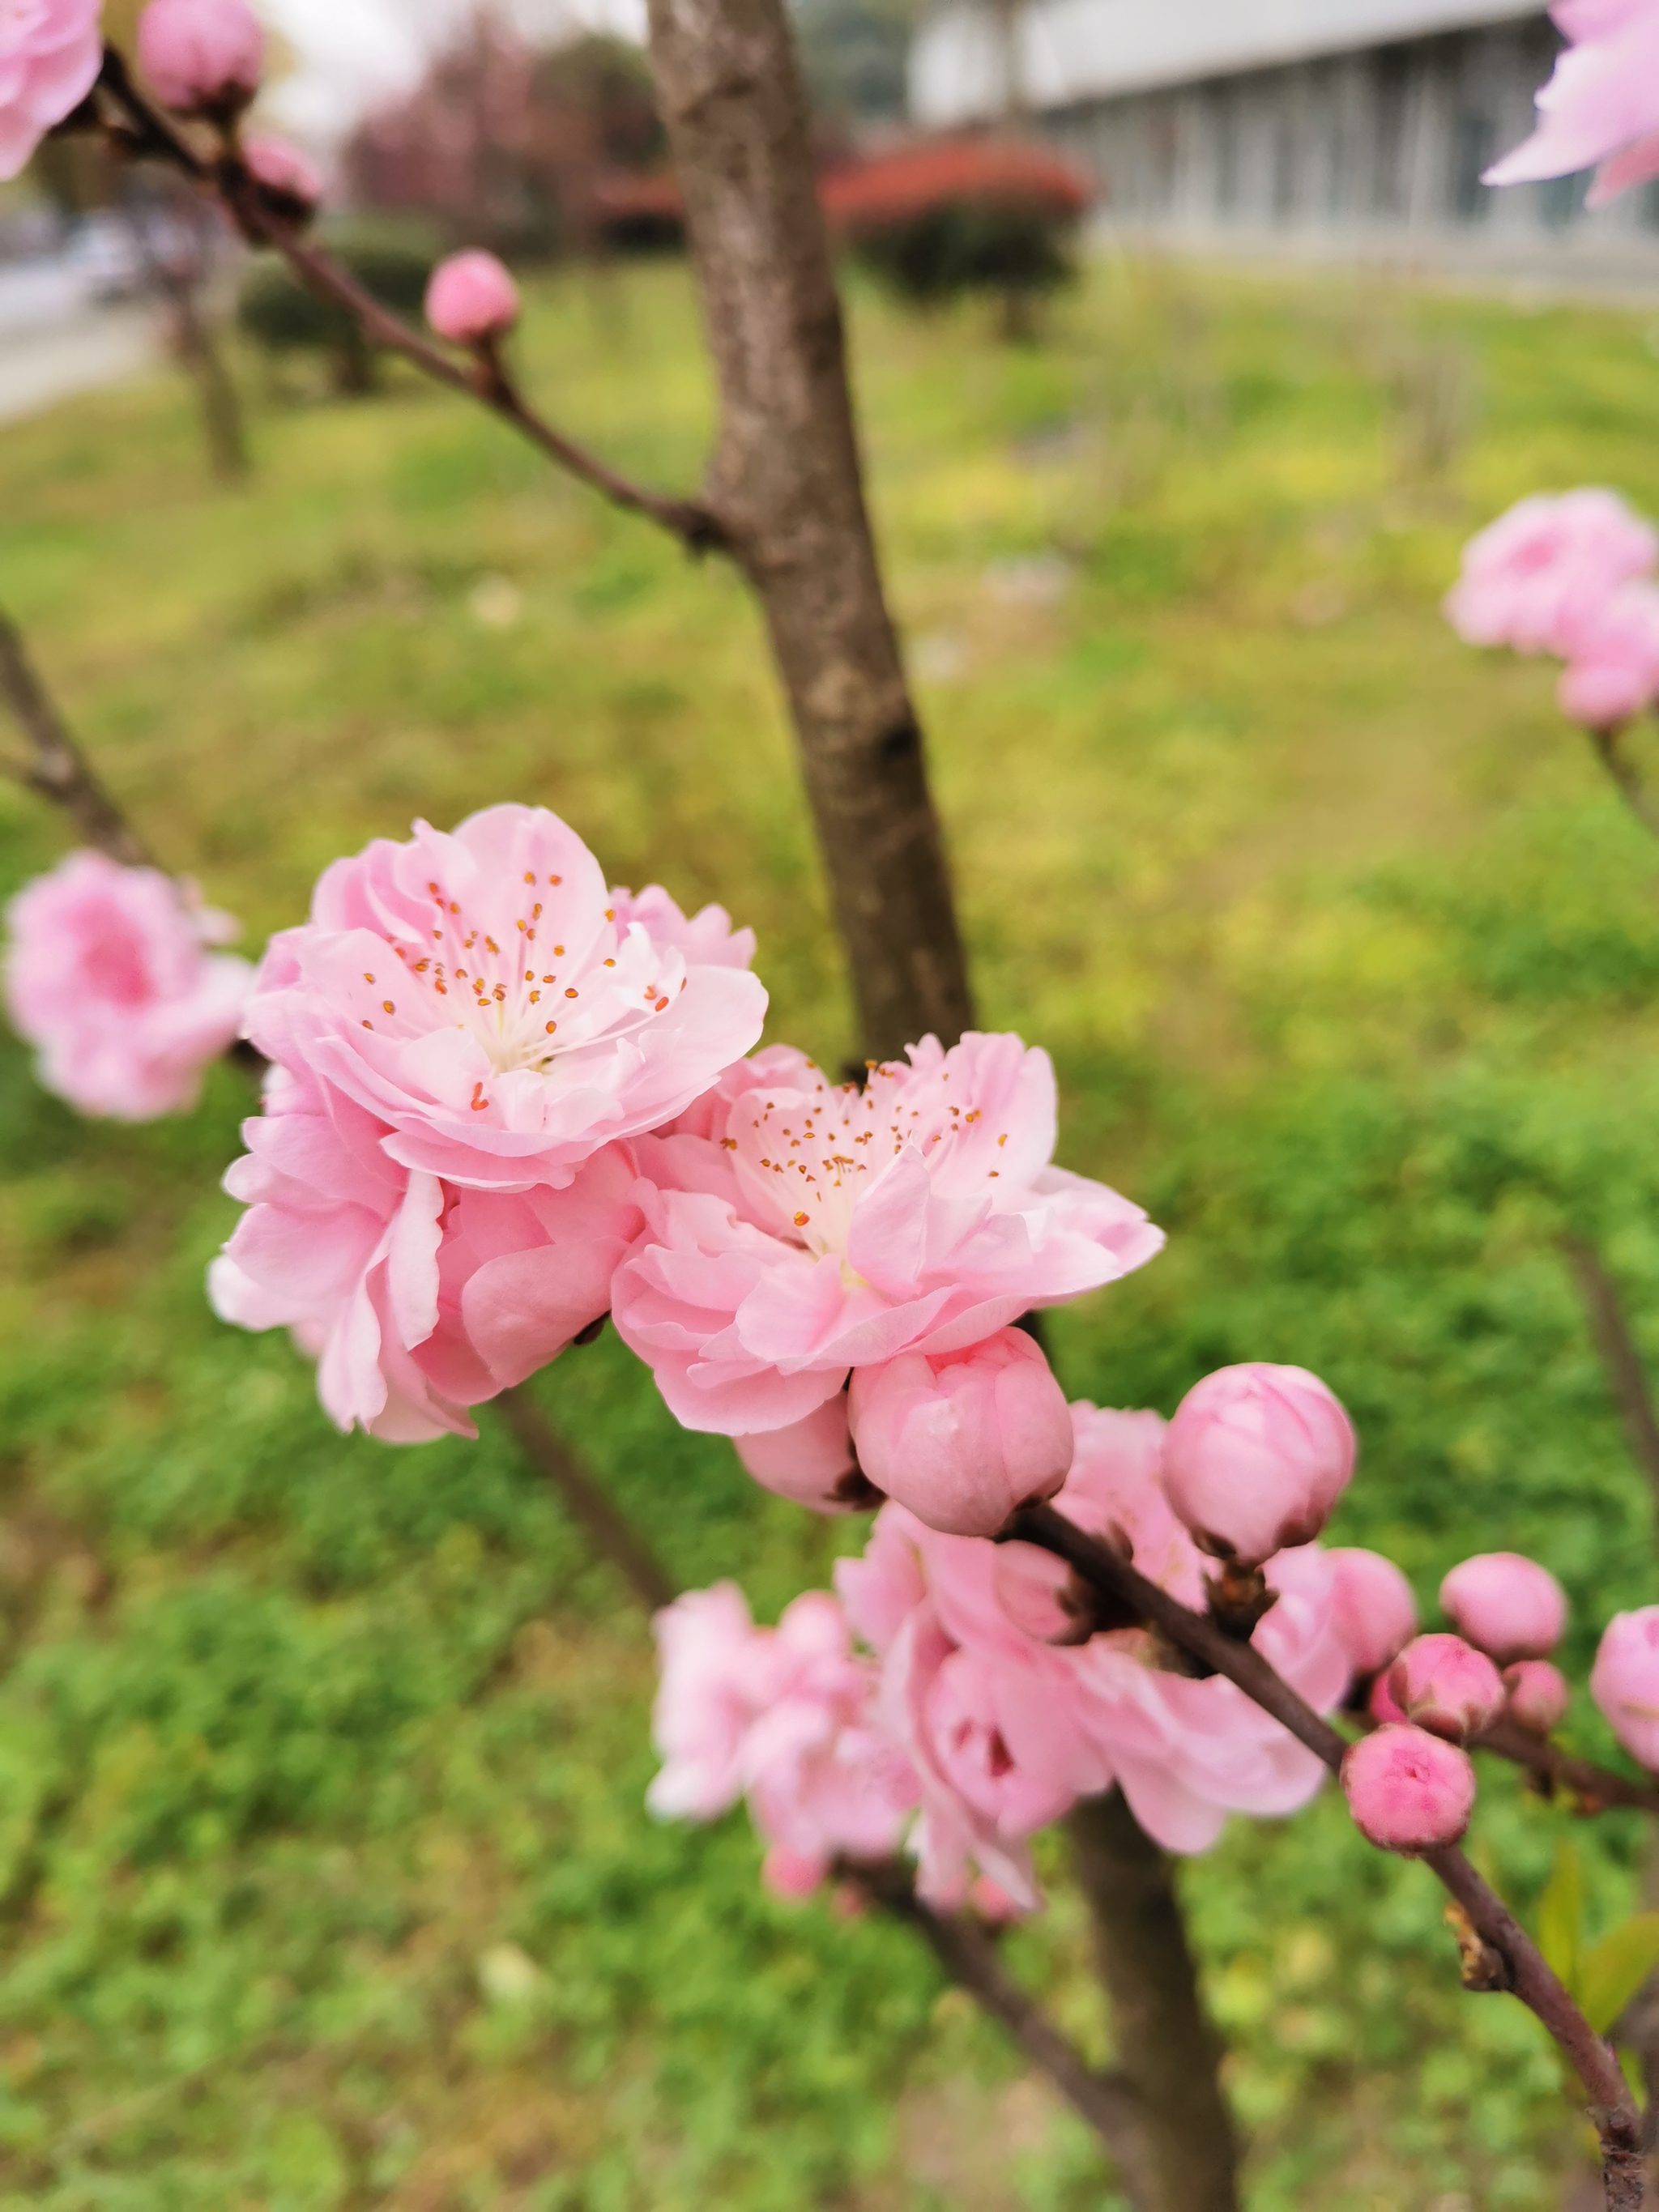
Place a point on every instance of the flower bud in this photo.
(811, 1461)
(1511, 1608)
(964, 1437)
(1446, 1687)
(1538, 1694)
(1408, 1790)
(472, 299)
(288, 181)
(1381, 1704)
(202, 57)
(1625, 1682)
(1255, 1458)
(1372, 1607)
(1041, 1596)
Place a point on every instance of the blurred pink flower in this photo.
(470, 297)
(798, 1230)
(1375, 1611)
(418, 1299)
(1533, 577)
(293, 182)
(481, 996)
(1625, 1681)
(1255, 1458)
(811, 1462)
(1601, 105)
(109, 975)
(202, 57)
(50, 51)
(1506, 1605)
(710, 1654)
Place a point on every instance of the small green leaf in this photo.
(1561, 1915)
(1611, 1972)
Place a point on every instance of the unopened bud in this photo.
(1625, 1682)
(1446, 1687)
(1255, 1458)
(472, 299)
(1408, 1790)
(1508, 1606)
(1538, 1694)
(202, 57)
(811, 1461)
(1373, 1608)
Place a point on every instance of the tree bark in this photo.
(1166, 2050)
(786, 484)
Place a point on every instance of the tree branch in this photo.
(1597, 1788)
(1604, 744)
(1526, 1972)
(148, 131)
(56, 767)
(609, 1529)
(1621, 1361)
(1107, 2102)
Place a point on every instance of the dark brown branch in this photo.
(1604, 744)
(1168, 2050)
(1107, 2102)
(1526, 1972)
(56, 767)
(787, 480)
(1596, 1788)
(148, 132)
(608, 1530)
(1621, 1361)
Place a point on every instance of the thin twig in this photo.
(1621, 1360)
(56, 767)
(1597, 1789)
(609, 1531)
(1604, 744)
(149, 131)
(1526, 1972)
(1105, 2100)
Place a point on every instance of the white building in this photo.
(1318, 125)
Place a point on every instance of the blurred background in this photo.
(1190, 349)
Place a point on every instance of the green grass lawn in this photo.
(325, 1877)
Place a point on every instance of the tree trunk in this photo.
(221, 406)
(786, 482)
(1166, 2046)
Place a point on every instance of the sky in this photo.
(351, 54)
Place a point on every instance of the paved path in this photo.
(54, 341)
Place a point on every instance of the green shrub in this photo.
(282, 316)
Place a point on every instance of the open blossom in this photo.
(110, 975)
(1611, 673)
(418, 1299)
(482, 997)
(1533, 577)
(50, 53)
(1601, 105)
(786, 1718)
(798, 1230)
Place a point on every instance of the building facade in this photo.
(1285, 125)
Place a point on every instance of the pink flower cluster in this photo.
(110, 975)
(1571, 576)
(50, 53)
(984, 1702)
(1601, 105)
(466, 1038)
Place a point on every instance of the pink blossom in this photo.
(478, 995)
(417, 1298)
(712, 1658)
(109, 975)
(1446, 1687)
(705, 939)
(1625, 1682)
(1538, 1694)
(1255, 1458)
(811, 1462)
(1611, 673)
(286, 177)
(802, 1229)
(1408, 1790)
(50, 54)
(202, 57)
(1375, 1611)
(1600, 105)
(1533, 577)
(470, 298)
(1508, 1607)
(964, 1437)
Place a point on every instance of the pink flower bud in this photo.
(1408, 1790)
(1625, 1682)
(1446, 1687)
(811, 1461)
(964, 1438)
(1511, 1608)
(472, 298)
(1381, 1704)
(1255, 1458)
(1372, 1606)
(1538, 1694)
(202, 57)
(288, 179)
(1041, 1595)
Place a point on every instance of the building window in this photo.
(1475, 145)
